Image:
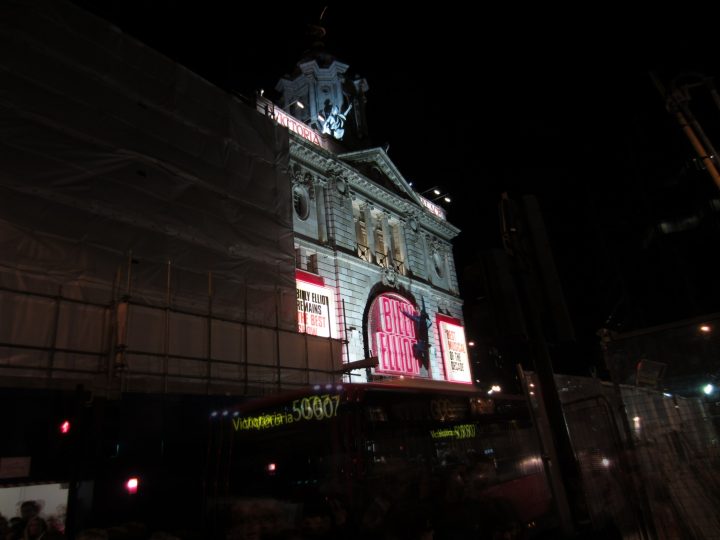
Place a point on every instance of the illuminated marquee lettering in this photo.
(263, 421)
(308, 408)
(462, 431)
(393, 335)
(296, 126)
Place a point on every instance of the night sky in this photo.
(558, 104)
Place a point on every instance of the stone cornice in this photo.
(379, 157)
(311, 155)
(371, 268)
(327, 163)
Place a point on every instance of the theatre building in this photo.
(373, 257)
(167, 249)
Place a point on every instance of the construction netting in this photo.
(145, 216)
(649, 460)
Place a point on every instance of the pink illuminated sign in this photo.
(284, 119)
(433, 208)
(392, 335)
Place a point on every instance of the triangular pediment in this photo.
(376, 165)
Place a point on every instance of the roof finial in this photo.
(318, 30)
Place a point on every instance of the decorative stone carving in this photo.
(302, 178)
(309, 182)
(390, 277)
(342, 186)
(295, 173)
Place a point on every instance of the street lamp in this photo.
(435, 190)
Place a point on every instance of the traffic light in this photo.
(65, 427)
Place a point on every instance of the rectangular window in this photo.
(380, 251)
(397, 248)
(363, 250)
(312, 263)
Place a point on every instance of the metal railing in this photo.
(364, 252)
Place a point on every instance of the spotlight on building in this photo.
(437, 194)
(435, 190)
(295, 102)
(494, 389)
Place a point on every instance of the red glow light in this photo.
(132, 485)
(65, 427)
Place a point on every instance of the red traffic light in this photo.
(132, 485)
(65, 427)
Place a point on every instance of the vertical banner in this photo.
(391, 334)
(454, 349)
(315, 305)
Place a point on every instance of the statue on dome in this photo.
(333, 121)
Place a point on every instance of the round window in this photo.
(301, 202)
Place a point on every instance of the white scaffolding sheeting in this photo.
(144, 214)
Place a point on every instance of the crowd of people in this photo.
(416, 504)
(29, 525)
(395, 503)
(32, 524)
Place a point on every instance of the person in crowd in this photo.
(36, 529)
(4, 527)
(29, 510)
(17, 526)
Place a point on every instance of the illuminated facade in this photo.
(365, 240)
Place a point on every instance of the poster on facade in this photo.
(315, 305)
(391, 333)
(454, 349)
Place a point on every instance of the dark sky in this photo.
(558, 104)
